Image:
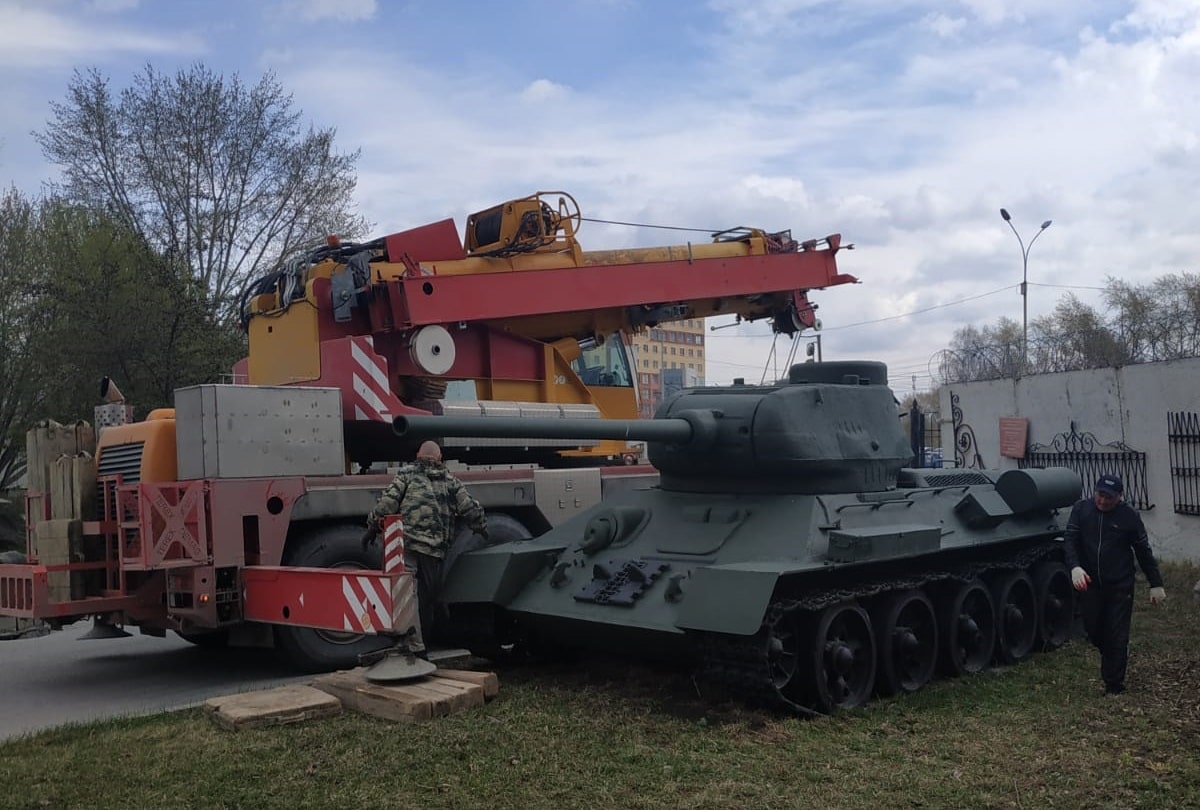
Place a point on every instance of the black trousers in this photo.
(427, 571)
(1107, 611)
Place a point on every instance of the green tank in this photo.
(788, 553)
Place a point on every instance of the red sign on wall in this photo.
(1014, 433)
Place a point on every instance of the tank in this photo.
(788, 553)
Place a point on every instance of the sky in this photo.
(904, 125)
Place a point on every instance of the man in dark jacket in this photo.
(428, 498)
(1104, 535)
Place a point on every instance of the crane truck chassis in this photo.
(242, 550)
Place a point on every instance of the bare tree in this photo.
(1076, 336)
(1134, 308)
(1144, 324)
(984, 353)
(206, 170)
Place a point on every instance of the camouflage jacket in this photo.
(428, 498)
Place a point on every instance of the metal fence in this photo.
(1183, 436)
(1086, 455)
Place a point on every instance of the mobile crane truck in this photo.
(234, 518)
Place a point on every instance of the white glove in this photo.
(1080, 578)
(1158, 595)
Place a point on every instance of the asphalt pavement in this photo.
(57, 679)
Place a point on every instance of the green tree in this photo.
(211, 173)
(24, 321)
(81, 297)
(122, 310)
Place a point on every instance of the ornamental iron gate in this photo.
(966, 448)
(1183, 435)
(1086, 455)
(925, 437)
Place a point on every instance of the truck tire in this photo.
(331, 546)
(501, 529)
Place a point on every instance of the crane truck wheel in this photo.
(329, 546)
(501, 529)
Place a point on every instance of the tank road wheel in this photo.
(312, 650)
(1016, 616)
(784, 654)
(841, 658)
(907, 638)
(1056, 604)
(968, 628)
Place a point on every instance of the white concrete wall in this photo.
(1126, 405)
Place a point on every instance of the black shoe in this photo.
(1114, 690)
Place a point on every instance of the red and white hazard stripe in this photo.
(404, 608)
(393, 545)
(368, 608)
(369, 379)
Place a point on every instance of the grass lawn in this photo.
(605, 734)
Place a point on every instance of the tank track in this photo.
(739, 666)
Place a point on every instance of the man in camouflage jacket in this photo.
(428, 498)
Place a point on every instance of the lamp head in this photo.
(1045, 225)
(1004, 213)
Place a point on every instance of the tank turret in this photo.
(787, 553)
(830, 427)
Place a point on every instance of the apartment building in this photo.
(676, 348)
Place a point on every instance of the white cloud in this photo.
(944, 25)
(1161, 17)
(34, 37)
(905, 129)
(114, 6)
(543, 90)
(350, 10)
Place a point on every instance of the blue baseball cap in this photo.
(1110, 485)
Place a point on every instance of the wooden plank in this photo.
(488, 680)
(445, 697)
(58, 542)
(432, 696)
(73, 487)
(357, 694)
(271, 707)
(47, 441)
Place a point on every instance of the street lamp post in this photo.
(1024, 283)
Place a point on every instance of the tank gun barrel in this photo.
(666, 431)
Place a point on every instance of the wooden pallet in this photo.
(445, 692)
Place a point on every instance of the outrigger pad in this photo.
(400, 665)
